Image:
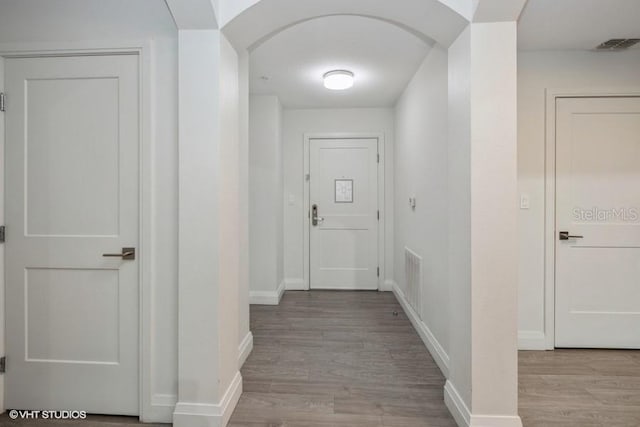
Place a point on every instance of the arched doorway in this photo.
(483, 358)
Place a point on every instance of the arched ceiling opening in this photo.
(431, 19)
(291, 63)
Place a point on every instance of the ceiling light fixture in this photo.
(338, 80)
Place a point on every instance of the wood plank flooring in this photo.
(325, 358)
(582, 388)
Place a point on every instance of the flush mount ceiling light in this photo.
(338, 80)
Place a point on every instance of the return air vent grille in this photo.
(618, 44)
(413, 273)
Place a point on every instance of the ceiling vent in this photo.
(618, 44)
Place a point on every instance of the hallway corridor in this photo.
(337, 358)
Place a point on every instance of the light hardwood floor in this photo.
(325, 358)
(581, 388)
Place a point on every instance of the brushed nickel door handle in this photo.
(127, 253)
(564, 235)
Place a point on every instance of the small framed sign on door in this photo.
(344, 191)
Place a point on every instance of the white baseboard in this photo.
(295, 284)
(387, 286)
(209, 415)
(456, 405)
(464, 418)
(267, 297)
(532, 340)
(244, 349)
(495, 421)
(437, 351)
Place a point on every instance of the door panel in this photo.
(598, 200)
(344, 187)
(72, 141)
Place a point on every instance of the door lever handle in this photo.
(564, 235)
(127, 253)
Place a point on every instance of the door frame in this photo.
(552, 95)
(143, 49)
(307, 194)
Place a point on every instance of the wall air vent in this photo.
(618, 44)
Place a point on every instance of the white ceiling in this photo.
(382, 56)
(577, 24)
(64, 20)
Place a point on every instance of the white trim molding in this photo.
(201, 414)
(495, 421)
(267, 297)
(532, 340)
(295, 285)
(244, 349)
(552, 95)
(437, 351)
(387, 286)
(463, 417)
(455, 404)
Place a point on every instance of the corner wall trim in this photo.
(495, 421)
(295, 285)
(456, 405)
(532, 340)
(387, 286)
(267, 297)
(210, 415)
(437, 351)
(244, 349)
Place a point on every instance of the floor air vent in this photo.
(413, 274)
(618, 44)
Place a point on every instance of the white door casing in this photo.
(343, 185)
(72, 194)
(597, 298)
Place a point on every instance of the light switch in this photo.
(524, 201)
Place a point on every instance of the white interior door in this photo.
(598, 198)
(72, 138)
(344, 191)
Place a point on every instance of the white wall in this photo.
(421, 171)
(538, 71)
(459, 186)
(95, 23)
(295, 124)
(245, 338)
(265, 198)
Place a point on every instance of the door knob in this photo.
(127, 253)
(564, 235)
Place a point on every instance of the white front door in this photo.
(598, 202)
(344, 213)
(72, 140)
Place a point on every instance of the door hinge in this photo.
(2, 101)
(378, 271)
(3, 364)
(2, 234)
(378, 215)
(378, 158)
